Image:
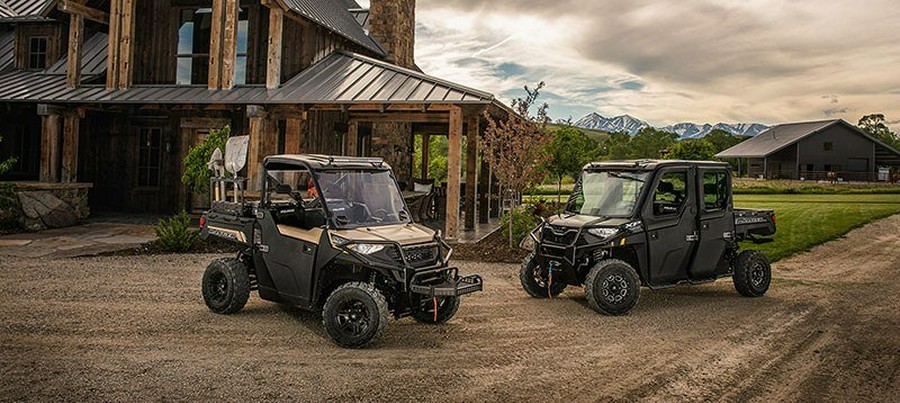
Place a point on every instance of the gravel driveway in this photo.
(136, 328)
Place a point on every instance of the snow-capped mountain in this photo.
(624, 123)
(686, 130)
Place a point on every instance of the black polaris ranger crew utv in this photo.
(332, 233)
(647, 223)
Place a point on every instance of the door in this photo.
(289, 255)
(671, 222)
(716, 225)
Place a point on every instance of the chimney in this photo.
(393, 24)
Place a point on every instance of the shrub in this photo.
(522, 223)
(176, 233)
(196, 169)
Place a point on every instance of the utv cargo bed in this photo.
(749, 223)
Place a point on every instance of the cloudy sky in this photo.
(764, 61)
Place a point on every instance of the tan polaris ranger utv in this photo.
(331, 233)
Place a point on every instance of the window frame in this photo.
(30, 53)
(152, 181)
(725, 194)
(687, 194)
(243, 16)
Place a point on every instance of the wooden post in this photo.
(426, 147)
(454, 157)
(215, 44)
(49, 146)
(76, 43)
(112, 59)
(229, 44)
(352, 139)
(484, 194)
(293, 135)
(471, 171)
(257, 146)
(71, 130)
(126, 44)
(273, 62)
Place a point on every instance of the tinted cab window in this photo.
(715, 191)
(670, 194)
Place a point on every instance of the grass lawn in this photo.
(805, 221)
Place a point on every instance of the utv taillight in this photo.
(202, 222)
(773, 219)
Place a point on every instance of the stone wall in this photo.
(38, 206)
(393, 24)
(394, 142)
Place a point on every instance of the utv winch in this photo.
(647, 223)
(332, 234)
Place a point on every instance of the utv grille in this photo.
(559, 235)
(418, 255)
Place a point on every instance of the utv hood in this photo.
(579, 221)
(404, 234)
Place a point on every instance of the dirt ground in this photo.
(123, 328)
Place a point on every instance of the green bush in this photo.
(176, 234)
(523, 221)
(196, 169)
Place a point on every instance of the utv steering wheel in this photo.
(379, 215)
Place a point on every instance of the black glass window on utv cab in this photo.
(670, 194)
(715, 191)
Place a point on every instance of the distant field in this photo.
(805, 221)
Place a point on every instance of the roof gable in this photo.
(775, 139)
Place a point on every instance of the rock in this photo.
(44, 210)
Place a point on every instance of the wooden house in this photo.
(113, 93)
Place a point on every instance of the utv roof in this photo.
(650, 165)
(324, 162)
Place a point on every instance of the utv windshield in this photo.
(363, 198)
(607, 193)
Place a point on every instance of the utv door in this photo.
(671, 222)
(290, 259)
(716, 224)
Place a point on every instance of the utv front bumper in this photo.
(452, 286)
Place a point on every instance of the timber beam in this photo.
(454, 165)
(74, 8)
(273, 61)
(400, 117)
(76, 44)
(472, 127)
(384, 108)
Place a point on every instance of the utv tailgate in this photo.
(749, 223)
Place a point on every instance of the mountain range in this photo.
(632, 125)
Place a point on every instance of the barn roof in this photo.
(782, 136)
(335, 15)
(340, 78)
(23, 9)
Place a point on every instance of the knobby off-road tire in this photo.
(226, 286)
(534, 279)
(752, 273)
(423, 310)
(355, 315)
(612, 287)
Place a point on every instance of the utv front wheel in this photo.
(355, 315)
(612, 287)
(535, 278)
(424, 309)
(752, 273)
(226, 286)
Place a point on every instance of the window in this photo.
(37, 52)
(670, 194)
(149, 157)
(715, 191)
(829, 146)
(810, 167)
(194, 36)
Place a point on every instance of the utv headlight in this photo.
(367, 248)
(339, 241)
(604, 233)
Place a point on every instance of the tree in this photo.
(722, 140)
(616, 147)
(567, 152)
(692, 150)
(650, 142)
(876, 126)
(5, 166)
(514, 145)
(196, 169)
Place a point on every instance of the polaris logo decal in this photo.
(227, 234)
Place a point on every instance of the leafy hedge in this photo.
(196, 169)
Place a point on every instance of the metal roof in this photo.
(323, 162)
(7, 49)
(335, 16)
(345, 77)
(93, 57)
(781, 136)
(649, 164)
(362, 17)
(775, 139)
(23, 9)
(340, 78)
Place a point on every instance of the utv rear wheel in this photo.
(612, 287)
(226, 286)
(355, 315)
(423, 309)
(535, 278)
(752, 273)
